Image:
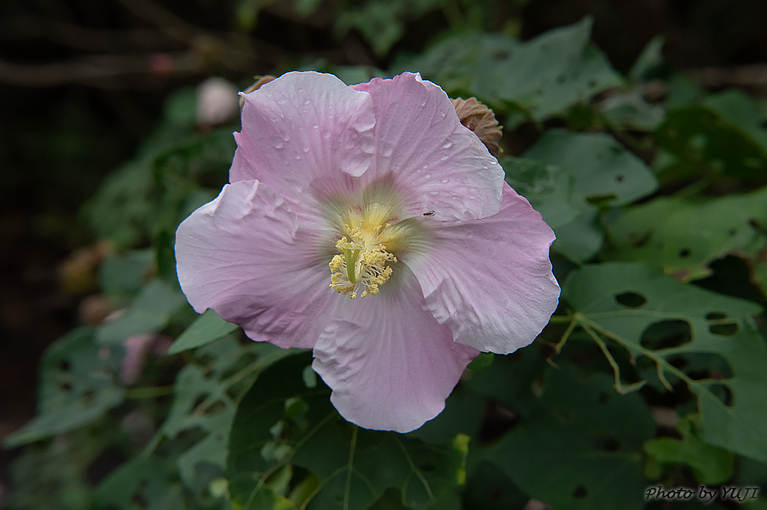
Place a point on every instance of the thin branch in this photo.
(99, 70)
(739, 76)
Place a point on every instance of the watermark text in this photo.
(702, 493)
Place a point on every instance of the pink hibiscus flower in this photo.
(366, 223)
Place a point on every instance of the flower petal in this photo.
(438, 164)
(300, 129)
(490, 280)
(244, 256)
(390, 364)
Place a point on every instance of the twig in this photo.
(97, 70)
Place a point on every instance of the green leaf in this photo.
(542, 77)
(78, 383)
(463, 414)
(381, 22)
(54, 477)
(631, 304)
(740, 110)
(123, 275)
(580, 447)
(377, 21)
(629, 110)
(354, 467)
(149, 312)
(205, 329)
(700, 138)
(682, 237)
(306, 7)
(604, 175)
(156, 190)
(547, 188)
(709, 464)
(141, 484)
(649, 60)
(508, 380)
(760, 276)
(206, 395)
(488, 488)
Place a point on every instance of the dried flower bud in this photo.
(480, 119)
(257, 85)
(94, 309)
(77, 274)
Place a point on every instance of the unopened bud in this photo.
(480, 119)
(216, 102)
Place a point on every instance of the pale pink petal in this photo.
(490, 280)
(389, 363)
(301, 129)
(439, 165)
(244, 256)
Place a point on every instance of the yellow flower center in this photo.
(362, 265)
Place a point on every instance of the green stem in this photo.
(350, 468)
(149, 392)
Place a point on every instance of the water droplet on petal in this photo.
(447, 144)
(387, 150)
(307, 101)
(279, 145)
(445, 181)
(434, 193)
(298, 156)
(444, 158)
(286, 137)
(428, 176)
(316, 126)
(425, 166)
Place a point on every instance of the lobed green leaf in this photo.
(625, 302)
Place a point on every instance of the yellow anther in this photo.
(363, 260)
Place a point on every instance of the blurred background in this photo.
(83, 82)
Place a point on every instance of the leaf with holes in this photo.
(604, 175)
(698, 137)
(709, 464)
(682, 238)
(542, 77)
(140, 484)
(281, 422)
(78, 383)
(626, 303)
(206, 395)
(581, 445)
